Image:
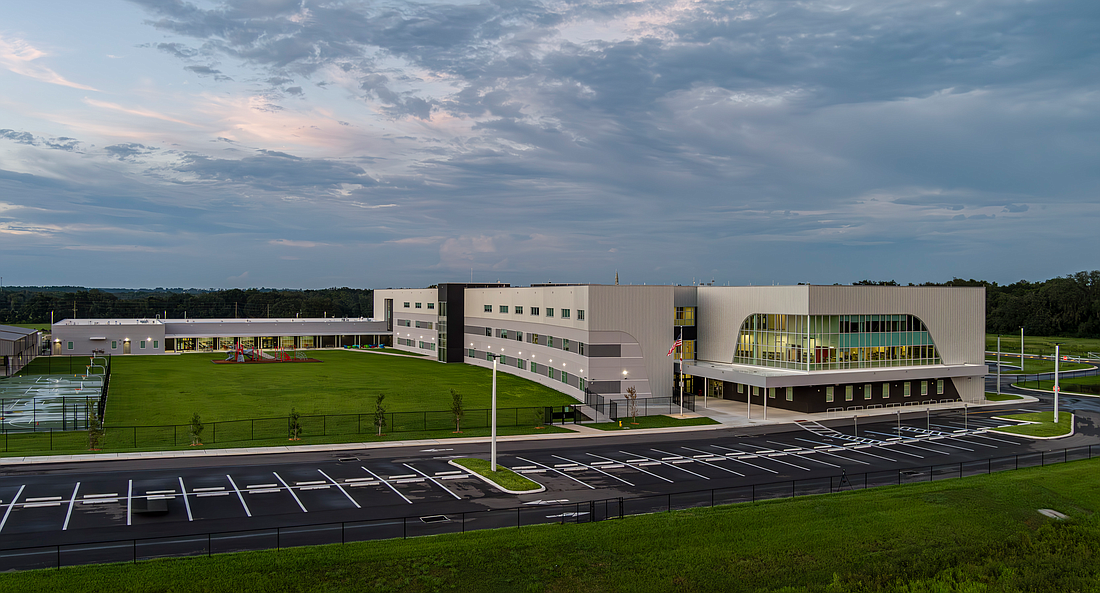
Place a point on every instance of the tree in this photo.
(456, 409)
(196, 429)
(295, 425)
(379, 413)
(95, 428)
(540, 418)
(632, 403)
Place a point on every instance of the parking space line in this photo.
(904, 444)
(239, 495)
(129, 503)
(592, 467)
(983, 436)
(830, 453)
(769, 458)
(659, 462)
(11, 504)
(186, 503)
(69, 513)
(632, 466)
(759, 467)
(704, 462)
(805, 455)
(341, 488)
(559, 471)
(891, 443)
(390, 486)
(939, 440)
(288, 489)
(433, 480)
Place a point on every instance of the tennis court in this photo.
(46, 402)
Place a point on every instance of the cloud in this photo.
(273, 170)
(137, 111)
(61, 143)
(301, 244)
(19, 57)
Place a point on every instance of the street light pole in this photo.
(1057, 357)
(999, 365)
(1021, 350)
(493, 422)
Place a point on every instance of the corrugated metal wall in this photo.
(646, 313)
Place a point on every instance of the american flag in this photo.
(679, 342)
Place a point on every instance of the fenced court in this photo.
(44, 402)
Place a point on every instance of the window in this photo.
(519, 336)
(905, 387)
(848, 392)
(418, 305)
(867, 391)
(580, 348)
(740, 388)
(470, 353)
(534, 338)
(534, 367)
(580, 384)
(790, 394)
(885, 391)
(549, 311)
(488, 308)
(551, 372)
(156, 344)
(565, 313)
(924, 388)
(939, 387)
(431, 305)
(685, 316)
(521, 364)
(580, 314)
(142, 345)
(406, 305)
(565, 377)
(488, 332)
(828, 394)
(550, 341)
(565, 344)
(70, 345)
(534, 310)
(771, 393)
(504, 308)
(114, 344)
(519, 309)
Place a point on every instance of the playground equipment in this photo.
(254, 355)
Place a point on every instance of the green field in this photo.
(1004, 397)
(1087, 385)
(1045, 427)
(1043, 344)
(154, 390)
(1036, 366)
(980, 534)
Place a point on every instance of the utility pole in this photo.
(1057, 357)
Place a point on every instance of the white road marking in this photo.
(209, 494)
(433, 480)
(161, 492)
(341, 489)
(129, 503)
(770, 458)
(239, 495)
(670, 465)
(212, 489)
(251, 486)
(388, 485)
(43, 498)
(806, 455)
(892, 443)
(69, 513)
(114, 495)
(10, 505)
(705, 462)
(589, 486)
(288, 489)
(186, 503)
(594, 468)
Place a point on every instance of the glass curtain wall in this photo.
(821, 342)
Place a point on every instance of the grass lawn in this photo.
(1087, 385)
(42, 327)
(653, 422)
(1042, 344)
(503, 477)
(156, 390)
(1004, 397)
(1046, 426)
(1037, 366)
(979, 534)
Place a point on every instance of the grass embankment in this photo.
(1086, 385)
(653, 422)
(1032, 366)
(1042, 344)
(503, 477)
(152, 390)
(1044, 424)
(977, 534)
(1004, 397)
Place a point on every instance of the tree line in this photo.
(1067, 306)
(35, 305)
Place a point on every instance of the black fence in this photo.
(205, 544)
(64, 413)
(619, 407)
(279, 429)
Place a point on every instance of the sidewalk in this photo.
(728, 414)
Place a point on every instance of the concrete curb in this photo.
(541, 487)
(1072, 429)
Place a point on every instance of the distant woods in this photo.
(33, 305)
(1068, 306)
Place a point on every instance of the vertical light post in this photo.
(1022, 350)
(999, 366)
(1057, 357)
(493, 420)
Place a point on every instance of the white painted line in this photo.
(634, 460)
(36, 505)
(251, 486)
(769, 458)
(589, 486)
(390, 486)
(457, 497)
(741, 460)
(212, 489)
(565, 464)
(186, 503)
(129, 503)
(115, 495)
(460, 476)
(69, 513)
(402, 477)
(264, 490)
(704, 462)
(335, 483)
(161, 497)
(448, 473)
(594, 468)
(43, 498)
(325, 487)
(808, 452)
(300, 505)
(208, 494)
(312, 483)
(601, 462)
(98, 500)
(357, 484)
(648, 463)
(408, 481)
(161, 492)
(673, 466)
(831, 454)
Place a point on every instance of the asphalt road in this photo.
(374, 491)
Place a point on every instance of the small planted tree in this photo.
(195, 429)
(379, 413)
(540, 418)
(95, 428)
(294, 425)
(632, 403)
(457, 409)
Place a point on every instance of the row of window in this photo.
(418, 324)
(418, 305)
(534, 367)
(849, 391)
(563, 313)
(114, 345)
(418, 344)
(538, 339)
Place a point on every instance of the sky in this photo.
(309, 144)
